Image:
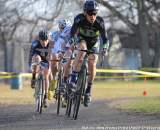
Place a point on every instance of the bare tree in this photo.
(142, 18)
(15, 15)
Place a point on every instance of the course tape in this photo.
(152, 74)
(140, 73)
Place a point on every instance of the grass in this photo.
(132, 93)
(12, 96)
(102, 90)
(125, 89)
(142, 105)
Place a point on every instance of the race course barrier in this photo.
(140, 74)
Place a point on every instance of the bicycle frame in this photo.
(75, 97)
(59, 94)
(81, 85)
(59, 84)
(39, 90)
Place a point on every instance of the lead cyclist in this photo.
(90, 27)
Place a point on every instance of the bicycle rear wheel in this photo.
(80, 88)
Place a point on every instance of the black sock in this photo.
(45, 95)
(65, 79)
(89, 86)
(33, 75)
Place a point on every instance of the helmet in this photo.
(43, 35)
(63, 23)
(91, 6)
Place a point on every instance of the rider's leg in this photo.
(54, 70)
(35, 58)
(68, 65)
(46, 84)
(92, 61)
(77, 63)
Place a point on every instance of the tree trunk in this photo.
(156, 63)
(5, 58)
(143, 31)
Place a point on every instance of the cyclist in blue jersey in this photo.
(89, 26)
(40, 52)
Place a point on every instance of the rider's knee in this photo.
(54, 67)
(46, 73)
(36, 58)
(92, 60)
(69, 64)
(54, 57)
(83, 45)
(54, 62)
(68, 53)
(79, 61)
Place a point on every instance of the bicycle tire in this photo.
(69, 103)
(39, 95)
(59, 83)
(80, 87)
(67, 93)
(58, 98)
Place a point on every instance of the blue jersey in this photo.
(63, 38)
(38, 49)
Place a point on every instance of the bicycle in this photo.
(75, 98)
(39, 87)
(60, 91)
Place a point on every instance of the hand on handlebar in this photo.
(104, 52)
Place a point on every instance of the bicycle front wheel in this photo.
(80, 87)
(59, 95)
(39, 95)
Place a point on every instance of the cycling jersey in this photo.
(38, 49)
(89, 31)
(54, 35)
(64, 37)
(33, 44)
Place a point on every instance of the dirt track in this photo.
(98, 116)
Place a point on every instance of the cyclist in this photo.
(40, 53)
(60, 40)
(90, 26)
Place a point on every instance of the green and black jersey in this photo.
(89, 32)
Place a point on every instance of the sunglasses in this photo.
(91, 13)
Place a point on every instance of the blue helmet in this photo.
(91, 6)
(43, 35)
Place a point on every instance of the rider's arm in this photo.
(103, 35)
(75, 26)
(32, 51)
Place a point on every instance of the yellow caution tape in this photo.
(128, 71)
(114, 71)
(28, 75)
(142, 74)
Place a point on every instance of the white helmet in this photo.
(63, 23)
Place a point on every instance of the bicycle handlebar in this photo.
(88, 51)
(41, 64)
